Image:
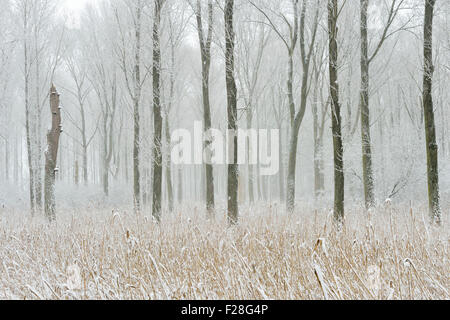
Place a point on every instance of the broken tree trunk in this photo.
(51, 155)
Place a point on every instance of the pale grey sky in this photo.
(76, 5)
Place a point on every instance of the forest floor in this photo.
(393, 253)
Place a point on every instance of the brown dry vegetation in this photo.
(268, 256)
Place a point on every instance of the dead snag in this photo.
(51, 155)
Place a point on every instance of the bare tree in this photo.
(319, 111)
(333, 14)
(205, 50)
(157, 116)
(296, 34)
(81, 93)
(136, 115)
(250, 65)
(233, 169)
(28, 124)
(297, 120)
(366, 60)
(430, 128)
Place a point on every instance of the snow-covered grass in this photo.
(392, 254)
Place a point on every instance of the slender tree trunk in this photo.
(105, 173)
(281, 181)
(297, 117)
(16, 161)
(6, 159)
(318, 148)
(365, 112)
(205, 46)
(126, 167)
(180, 186)
(136, 113)
(290, 188)
(292, 166)
(336, 113)
(84, 144)
(430, 128)
(168, 165)
(51, 155)
(250, 167)
(38, 176)
(76, 175)
(27, 118)
(85, 168)
(294, 142)
(233, 169)
(157, 153)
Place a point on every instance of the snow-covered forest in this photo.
(138, 134)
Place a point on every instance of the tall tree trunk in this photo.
(250, 167)
(290, 188)
(180, 186)
(168, 165)
(6, 158)
(136, 113)
(51, 155)
(76, 174)
(157, 152)
(318, 146)
(336, 113)
(28, 117)
(430, 128)
(233, 169)
(281, 181)
(85, 168)
(365, 112)
(108, 139)
(105, 165)
(297, 117)
(84, 144)
(16, 160)
(205, 47)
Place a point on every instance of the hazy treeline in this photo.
(347, 83)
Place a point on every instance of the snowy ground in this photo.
(98, 254)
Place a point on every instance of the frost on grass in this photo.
(114, 254)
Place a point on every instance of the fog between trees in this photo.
(358, 90)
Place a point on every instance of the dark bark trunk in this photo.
(157, 153)
(336, 113)
(233, 169)
(297, 117)
(430, 128)
(365, 112)
(205, 47)
(293, 145)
